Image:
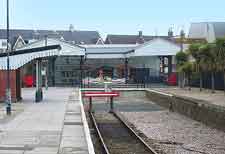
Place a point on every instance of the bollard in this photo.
(8, 109)
(90, 104)
(111, 105)
(38, 96)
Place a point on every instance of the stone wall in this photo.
(209, 114)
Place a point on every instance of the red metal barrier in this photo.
(28, 81)
(101, 94)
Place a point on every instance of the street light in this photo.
(8, 91)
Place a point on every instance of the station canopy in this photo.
(67, 49)
(155, 47)
(108, 51)
(18, 60)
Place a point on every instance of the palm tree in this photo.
(196, 54)
(209, 61)
(220, 56)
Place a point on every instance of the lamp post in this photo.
(8, 91)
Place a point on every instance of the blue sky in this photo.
(112, 16)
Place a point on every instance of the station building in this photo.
(137, 58)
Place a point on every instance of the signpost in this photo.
(8, 90)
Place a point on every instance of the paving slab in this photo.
(55, 126)
(11, 152)
(43, 128)
(40, 150)
(73, 136)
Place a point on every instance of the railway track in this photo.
(116, 136)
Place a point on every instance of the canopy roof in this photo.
(155, 47)
(108, 51)
(18, 60)
(67, 49)
(21, 57)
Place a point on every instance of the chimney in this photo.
(71, 28)
(140, 38)
(182, 34)
(170, 32)
(140, 34)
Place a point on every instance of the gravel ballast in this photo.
(176, 134)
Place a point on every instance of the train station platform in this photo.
(217, 98)
(206, 107)
(55, 126)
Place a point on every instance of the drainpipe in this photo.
(39, 93)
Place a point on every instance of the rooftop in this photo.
(76, 37)
(207, 30)
(132, 39)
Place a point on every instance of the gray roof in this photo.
(130, 39)
(78, 37)
(207, 30)
(219, 29)
(197, 31)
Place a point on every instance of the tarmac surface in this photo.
(53, 126)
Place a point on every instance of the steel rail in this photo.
(99, 133)
(121, 119)
(119, 116)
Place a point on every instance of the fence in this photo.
(219, 80)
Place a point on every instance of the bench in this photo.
(110, 95)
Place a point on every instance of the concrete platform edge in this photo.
(86, 128)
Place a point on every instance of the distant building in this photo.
(3, 45)
(134, 39)
(74, 37)
(208, 31)
(17, 42)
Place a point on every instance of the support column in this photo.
(81, 70)
(18, 85)
(126, 70)
(46, 74)
(46, 65)
(163, 65)
(53, 62)
(39, 93)
(169, 65)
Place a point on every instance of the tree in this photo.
(187, 68)
(194, 51)
(181, 58)
(208, 61)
